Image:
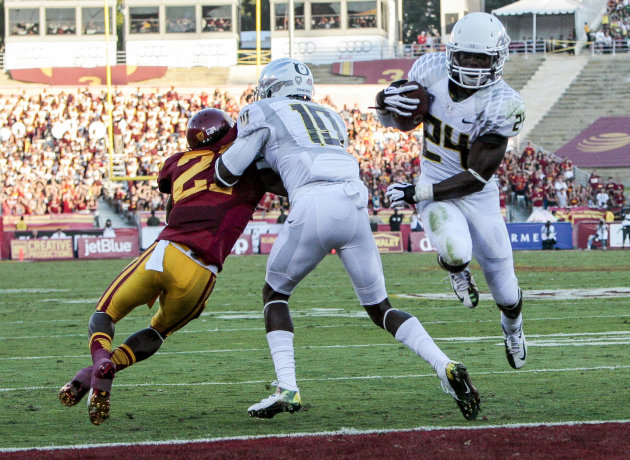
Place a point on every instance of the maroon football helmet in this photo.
(207, 127)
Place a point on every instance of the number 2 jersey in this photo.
(301, 140)
(207, 218)
(451, 127)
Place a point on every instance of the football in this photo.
(417, 116)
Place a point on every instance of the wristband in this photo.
(424, 192)
(477, 176)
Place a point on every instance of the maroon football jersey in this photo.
(205, 217)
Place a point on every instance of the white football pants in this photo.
(324, 217)
(473, 225)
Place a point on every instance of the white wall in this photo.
(27, 55)
(182, 53)
(324, 50)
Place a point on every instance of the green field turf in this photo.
(352, 375)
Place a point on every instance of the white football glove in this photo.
(400, 193)
(394, 100)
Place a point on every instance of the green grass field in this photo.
(352, 374)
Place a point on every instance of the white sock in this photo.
(281, 347)
(511, 325)
(412, 334)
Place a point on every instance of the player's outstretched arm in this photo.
(232, 164)
(484, 158)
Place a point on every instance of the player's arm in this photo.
(484, 158)
(232, 164)
(392, 101)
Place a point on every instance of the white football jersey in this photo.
(451, 127)
(306, 142)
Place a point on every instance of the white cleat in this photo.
(463, 285)
(515, 347)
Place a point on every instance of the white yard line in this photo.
(547, 340)
(335, 379)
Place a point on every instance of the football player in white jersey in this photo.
(306, 144)
(472, 115)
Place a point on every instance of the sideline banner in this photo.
(243, 245)
(388, 242)
(42, 249)
(527, 235)
(124, 247)
(420, 242)
(266, 242)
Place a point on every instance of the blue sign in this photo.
(527, 235)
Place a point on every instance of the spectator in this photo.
(561, 191)
(548, 236)
(152, 221)
(395, 220)
(602, 198)
(58, 234)
(108, 231)
(282, 217)
(375, 220)
(601, 235)
(21, 225)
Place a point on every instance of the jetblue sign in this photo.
(527, 236)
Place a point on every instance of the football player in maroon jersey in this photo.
(180, 268)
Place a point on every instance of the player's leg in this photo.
(362, 261)
(448, 232)
(493, 252)
(132, 287)
(280, 332)
(296, 252)
(101, 330)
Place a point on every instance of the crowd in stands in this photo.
(211, 24)
(57, 164)
(325, 22)
(536, 180)
(613, 34)
(361, 20)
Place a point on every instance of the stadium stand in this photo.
(599, 91)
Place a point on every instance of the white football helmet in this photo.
(285, 77)
(478, 33)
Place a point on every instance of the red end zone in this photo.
(573, 441)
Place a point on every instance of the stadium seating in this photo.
(600, 90)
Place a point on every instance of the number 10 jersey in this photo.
(303, 141)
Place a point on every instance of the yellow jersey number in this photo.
(200, 185)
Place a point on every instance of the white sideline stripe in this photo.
(330, 326)
(565, 339)
(305, 315)
(334, 379)
(341, 432)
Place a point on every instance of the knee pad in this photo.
(513, 311)
(451, 268)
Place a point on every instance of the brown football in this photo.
(417, 116)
